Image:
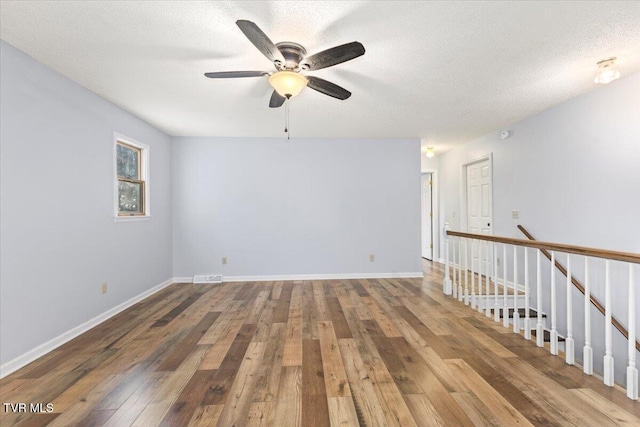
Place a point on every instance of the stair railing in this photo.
(576, 283)
(475, 256)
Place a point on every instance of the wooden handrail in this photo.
(579, 250)
(579, 286)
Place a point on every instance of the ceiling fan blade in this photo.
(276, 100)
(335, 55)
(260, 40)
(235, 74)
(327, 88)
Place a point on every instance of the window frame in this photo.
(143, 178)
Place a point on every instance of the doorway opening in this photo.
(427, 217)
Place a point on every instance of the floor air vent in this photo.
(208, 278)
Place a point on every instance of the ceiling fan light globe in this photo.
(287, 83)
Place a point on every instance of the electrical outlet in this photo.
(515, 214)
(224, 260)
(453, 214)
(372, 258)
(498, 261)
(103, 288)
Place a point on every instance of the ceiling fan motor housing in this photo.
(293, 54)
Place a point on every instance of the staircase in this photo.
(472, 277)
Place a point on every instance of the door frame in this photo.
(463, 190)
(435, 234)
(423, 216)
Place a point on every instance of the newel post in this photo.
(632, 370)
(446, 283)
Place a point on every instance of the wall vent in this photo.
(207, 278)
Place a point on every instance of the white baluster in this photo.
(496, 306)
(516, 314)
(569, 343)
(608, 355)
(587, 351)
(487, 303)
(505, 308)
(539, 324)
(466, 272)
(479, 300)
(632, 371)
(454, 283)
(459, 269)
(473, 286)
(527, 320)
(554, 330)
(446, 283)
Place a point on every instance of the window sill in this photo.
(131, 218)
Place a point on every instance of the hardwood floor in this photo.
(388, 352)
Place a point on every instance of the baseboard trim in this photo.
(39, 351)
(346, 276)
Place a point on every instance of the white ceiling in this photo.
(446, 72)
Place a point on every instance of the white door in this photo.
(427, 217)
(479, 212)
(479, 215)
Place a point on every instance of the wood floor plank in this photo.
(236, 409)
(281, 312)
(186, 345)
(342, 412)
(221, 347)
(266, 389)
(372, 352)
(617, 415)
(309, 313)
(130, 410)
(440, 369)
(220, 384)
(364, 396)
(382, 318)
(315, 410)
(497, 405)
(184, 407)
(336, 313)
(288, 411)
(173, 313)
(206, 416)
(86, 404)
(336, 381)
(320, 302)
(478, 412)
(170, 389)
(423, 410)
(261, 414)
(292, 355)
(413, 376)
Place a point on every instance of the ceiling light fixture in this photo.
(287, 83)
(607, 71)
(430, 152)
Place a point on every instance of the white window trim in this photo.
(144, 171)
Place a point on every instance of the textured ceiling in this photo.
(446, 72)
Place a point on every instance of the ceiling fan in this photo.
(289, 59)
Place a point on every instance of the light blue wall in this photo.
(305, 206)
(58, 238)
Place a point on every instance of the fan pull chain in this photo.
(286, 119)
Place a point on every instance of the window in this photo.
(132, 187)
